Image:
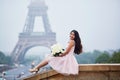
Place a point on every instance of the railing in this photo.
(86, 72)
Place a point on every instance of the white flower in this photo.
(56, 49)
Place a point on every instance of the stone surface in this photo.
(86, 72)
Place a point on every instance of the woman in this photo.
(65, 63)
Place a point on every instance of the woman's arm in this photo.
(70, 45)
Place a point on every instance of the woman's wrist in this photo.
(61, 55)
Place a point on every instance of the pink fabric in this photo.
(65, 65)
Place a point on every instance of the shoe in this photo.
(34, 70)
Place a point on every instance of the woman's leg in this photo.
(41, 64)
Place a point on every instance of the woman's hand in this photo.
(61, 55)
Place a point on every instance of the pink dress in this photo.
(65, 65)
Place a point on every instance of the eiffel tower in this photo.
(28, 38)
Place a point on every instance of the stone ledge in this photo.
(99, 67)
(85, 71)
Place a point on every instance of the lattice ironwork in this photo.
(28, 38)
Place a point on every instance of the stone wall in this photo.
(86, 72)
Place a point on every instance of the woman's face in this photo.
(72, 35)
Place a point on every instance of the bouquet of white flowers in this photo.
(57, 49)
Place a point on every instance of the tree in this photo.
(103, 58)
(88, 57)
(115, 57)
(2, 58)
(5, 59)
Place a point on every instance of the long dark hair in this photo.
(78, 45)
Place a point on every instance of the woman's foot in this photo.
(34, 70)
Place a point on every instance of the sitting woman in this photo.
(66, 62)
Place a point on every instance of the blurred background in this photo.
(97, 21)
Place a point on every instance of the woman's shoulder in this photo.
(72, 42)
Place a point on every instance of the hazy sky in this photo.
(97, 21)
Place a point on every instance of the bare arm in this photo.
(70, 45)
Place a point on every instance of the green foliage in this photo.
(103, 58)
(88, 57)
(115, 57)
(5, 59)
(98, 57)
(106, 58)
